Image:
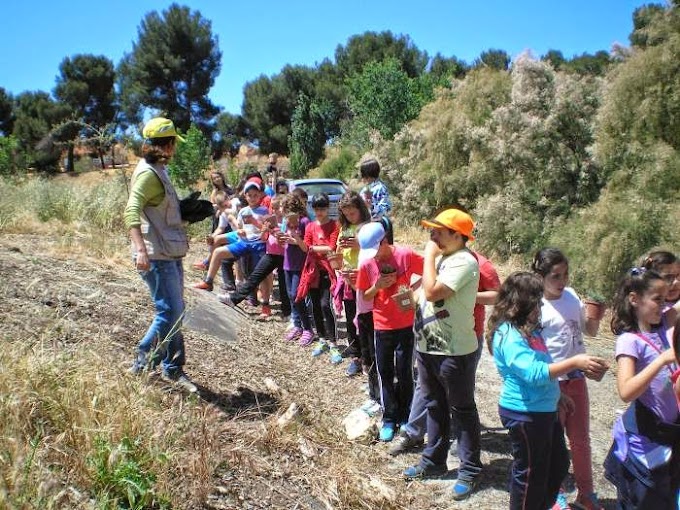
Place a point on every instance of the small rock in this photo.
(359, 426)
(290, 414)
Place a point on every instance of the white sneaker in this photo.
(371, 407)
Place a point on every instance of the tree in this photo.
(588, 64)
(269, 103)
(191, 159)
(643, 19)
(384, 97)
(171, 68)
(442, 69)
(308, 136)
(368, 47)
(85, 84)
(555, 58)
(36, 115)
(6, 112)
(495, 59)
(230, 131)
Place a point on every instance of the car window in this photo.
(330, 188)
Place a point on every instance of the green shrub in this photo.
(9, 160)
(121, 476)
(342, 164)
(191, 159)
(604, 240)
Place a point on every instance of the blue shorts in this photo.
(241, 248)
(232, 237)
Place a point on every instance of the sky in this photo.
(261, 37)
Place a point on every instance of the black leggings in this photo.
(324, 319)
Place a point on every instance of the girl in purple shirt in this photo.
(643, 462)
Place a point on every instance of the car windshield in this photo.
(330, 188)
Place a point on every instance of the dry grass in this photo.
(77, 427)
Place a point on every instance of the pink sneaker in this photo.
(293, 335)
(306, 338)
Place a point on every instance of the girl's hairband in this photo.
(637, 271)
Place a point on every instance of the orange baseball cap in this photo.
(453, 219)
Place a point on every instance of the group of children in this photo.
(535, 335)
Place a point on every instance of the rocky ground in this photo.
(250, 379)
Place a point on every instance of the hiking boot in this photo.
(418, 472)
(228, 287)
(387, 432)
(204, 286)
(293, 334)
(462, 489)
(561, 502)
(319, 348)
(405, 443)
(336, 357)
(201, 265)
(589, 502)
(306, 338)
(266, 313)
(354, 368)
(180, 379)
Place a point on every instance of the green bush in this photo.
(191, 160)
(342, 164)
(9, 161)
(604, 240)
(122, 478)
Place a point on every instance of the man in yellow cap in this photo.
(446, 346)
(159, 244)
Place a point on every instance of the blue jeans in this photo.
(165, 279)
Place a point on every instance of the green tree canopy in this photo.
(85, 85)
(171, 68)
(643, 19)
(368, 47)
(308, 136)
(36, 115)
(269, 103)
(6, 112)
(230, 131)
(384, 98)
(442, 69)
(494, 59)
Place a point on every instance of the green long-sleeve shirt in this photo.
(147, 190)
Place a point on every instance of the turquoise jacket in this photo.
(524, 366)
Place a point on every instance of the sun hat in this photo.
(369, 237)
(160, 127)
(453, 219)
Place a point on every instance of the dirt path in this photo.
(307, 467)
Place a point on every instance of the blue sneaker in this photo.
(462, 489)
(354, 368)
(336, 357)
(319, 348)
(387, 432)
(418, 472)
